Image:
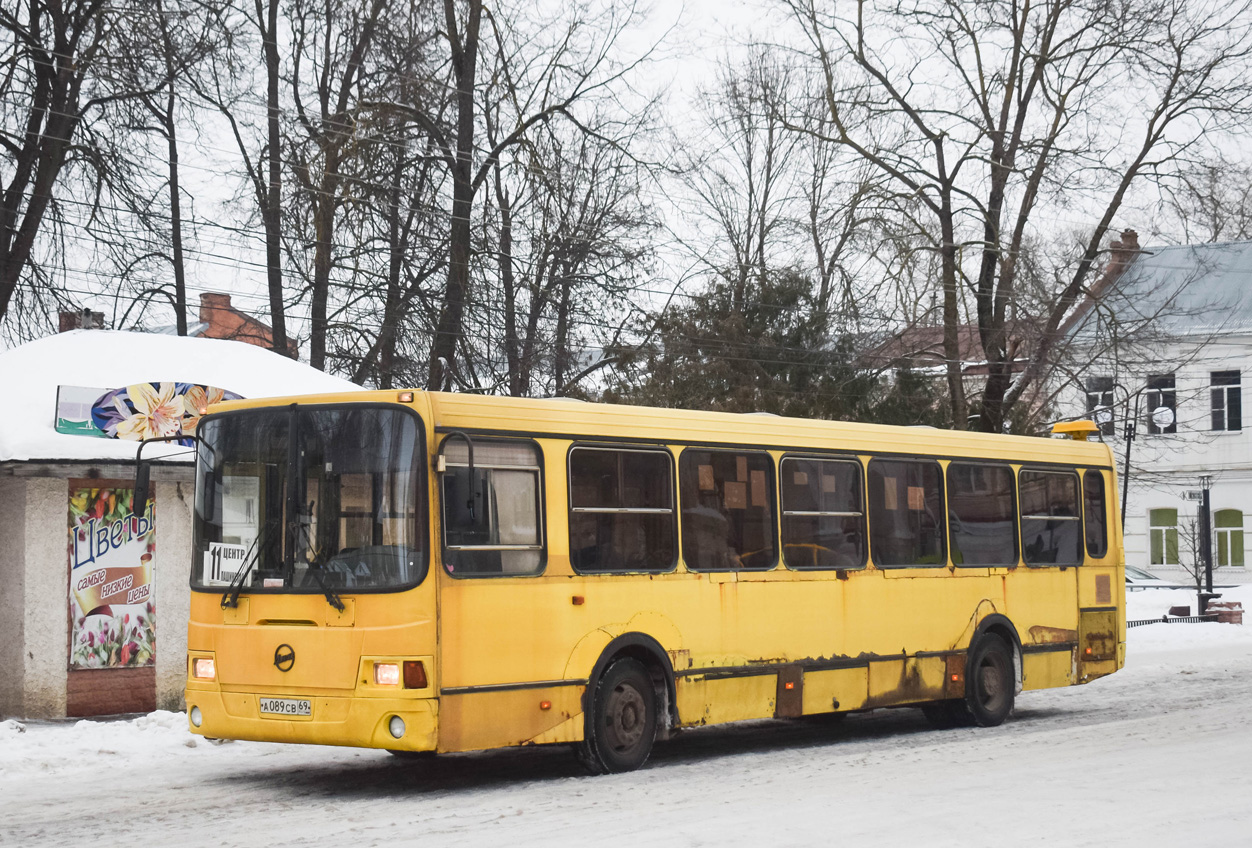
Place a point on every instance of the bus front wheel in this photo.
(622, 725)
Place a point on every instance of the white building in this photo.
(1169, 347)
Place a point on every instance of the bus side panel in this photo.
(1048, 669)
(835, 689)
(480, 720)
(705, 701)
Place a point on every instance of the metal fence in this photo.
(1174, 619)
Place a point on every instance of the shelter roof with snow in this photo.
(31, 376)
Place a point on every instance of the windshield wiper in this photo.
(230, 598)
(332, 597)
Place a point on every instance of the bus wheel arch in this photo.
(1000, 625)
(627, 658)
(992, 678)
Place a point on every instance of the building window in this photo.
(621, 510)
(823, 518)
(1229, 524)
(1227, 401)
(1162, 396)
(1163, 532)
(1100, 403)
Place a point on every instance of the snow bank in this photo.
(30, 374)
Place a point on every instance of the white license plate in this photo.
(286, 706)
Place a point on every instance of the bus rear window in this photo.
(727, 510)
(621, 510)
(981, 514)
(823, 518)
(492, 520)
(1051, 528)
(906, 513)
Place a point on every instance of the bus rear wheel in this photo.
(990, 684)
(622, 725)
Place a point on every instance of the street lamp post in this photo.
(1206, 539)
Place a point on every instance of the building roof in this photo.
(107, 359)
(1185, 290)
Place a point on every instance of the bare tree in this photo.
(998, 118)
(331, 42)
(54, 79)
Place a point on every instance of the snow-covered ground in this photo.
(1156, 755)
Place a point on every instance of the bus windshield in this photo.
(309, 499)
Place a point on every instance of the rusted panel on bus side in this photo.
(905, 681)
(680, 659)
(1043, 635)
(954, 676)
(1097, 637)
(789, 702)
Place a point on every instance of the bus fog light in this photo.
(396, 726)
(196, 718)
(387, 674)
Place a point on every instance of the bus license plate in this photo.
(286, 707)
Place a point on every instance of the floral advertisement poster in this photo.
(112, 602)
(140, 411)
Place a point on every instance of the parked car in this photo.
(1138, 578)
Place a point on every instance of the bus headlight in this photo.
(396, 726)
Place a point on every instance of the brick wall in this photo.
(108, 691)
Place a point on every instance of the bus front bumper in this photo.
(349, 721)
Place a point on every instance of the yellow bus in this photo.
(432, 572)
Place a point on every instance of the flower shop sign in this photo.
(135, 412)
(112, 609)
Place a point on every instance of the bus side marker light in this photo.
(387, 674)
(790, 684)
(956, 678)
(203, 668)
(545, 705)
(406, 397)
(1088, 652)
(414, 675)
(578, 600)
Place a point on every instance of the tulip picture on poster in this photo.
(111, 598)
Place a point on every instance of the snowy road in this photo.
(1158, 754)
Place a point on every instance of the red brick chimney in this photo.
(227, 322)
(82, 319)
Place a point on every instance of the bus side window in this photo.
(1094, 513)
(1051, 526)
(823, 524)
(982, 515)
(727, 510)
(501, 533)
(621, 510)
(906, 513)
